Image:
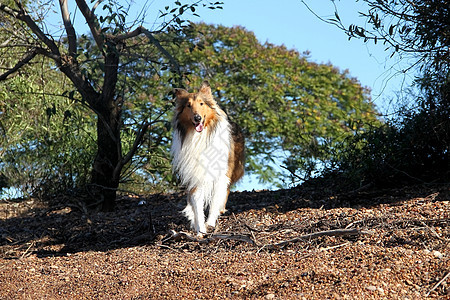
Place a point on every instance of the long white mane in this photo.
(201, 159)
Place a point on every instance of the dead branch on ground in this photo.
(438, 284)
(176, 236)
(315, 235)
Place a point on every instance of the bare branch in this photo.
(6, 43)
(338, 25)
(17, 45)
(92, 22)
(70, 69)
(20, 64)
(8, 10)
(216, 236)
(95, 6)
(154, 41)
(311, 236)
(438, 284)
(23, 16)
(129, 35)
(137, 141)
(71, 35)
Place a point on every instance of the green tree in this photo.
(27, 35)
(292, 110)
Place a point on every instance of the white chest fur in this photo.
(201, 159)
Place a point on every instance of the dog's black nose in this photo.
(197, 118)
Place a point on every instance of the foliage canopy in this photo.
(293, 111)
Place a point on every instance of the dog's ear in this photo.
(179, 93)
(206, 94)
(205, 88)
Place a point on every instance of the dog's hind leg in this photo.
(224, 209)
(218, 201)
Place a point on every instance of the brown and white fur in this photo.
(207, 154)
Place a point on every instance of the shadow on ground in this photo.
(54, 230)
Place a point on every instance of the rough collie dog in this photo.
(208, 155)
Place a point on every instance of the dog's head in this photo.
(195, 109)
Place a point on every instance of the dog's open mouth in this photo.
(199, 126)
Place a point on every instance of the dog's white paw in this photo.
(202, 230)
(211, 223)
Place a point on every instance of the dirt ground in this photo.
(289, 244)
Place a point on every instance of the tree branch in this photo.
(23, 16)
(20, 64)
(171, 59)
(437, 284)
(129, 35)
(71, 35)
(137, 141)
(154, 41)
(66, 65)
(8, 10)
(216, 236)
(92, 22)
(6, 43)
(95, 6)
(111, 70)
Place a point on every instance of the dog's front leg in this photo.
(196, 201)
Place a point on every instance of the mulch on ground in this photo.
(287, 244)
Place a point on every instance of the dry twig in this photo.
(235, 237)
(26, 253)
(311, 236)
(335, 247)
(438, 284)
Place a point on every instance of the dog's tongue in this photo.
(199, 127)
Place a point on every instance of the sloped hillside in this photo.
(287, 244)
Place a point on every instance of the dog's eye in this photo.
(201, 103)
(188, 105)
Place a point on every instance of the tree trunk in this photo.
(104, 180)
(106, 168)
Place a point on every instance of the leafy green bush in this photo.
(47, 141)
(412, 151)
